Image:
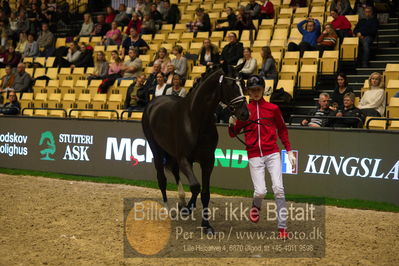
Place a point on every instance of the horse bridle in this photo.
(257, 121)
(239, 99)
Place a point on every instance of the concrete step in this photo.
(386, 57)
(359, 78)
(388, 26)
(368, 70)
(387, 50)
(388, 37)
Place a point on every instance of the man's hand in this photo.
(292, 159)
(232, 120)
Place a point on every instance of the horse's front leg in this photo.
(187, 168)
(206, 169)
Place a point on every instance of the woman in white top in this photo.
(161, 87)
(170, 72)
(87, 26)
(177, 88)
(250, 66)
(23, 40)
(372, 103)
(179, 61)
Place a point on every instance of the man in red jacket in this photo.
(263, 152)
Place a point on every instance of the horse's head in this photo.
(232, 85)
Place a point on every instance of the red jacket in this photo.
(261, 139)
(342, 23)
(267, 9)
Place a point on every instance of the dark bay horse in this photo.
(181, 131)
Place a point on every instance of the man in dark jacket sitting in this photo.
(233, 51)
(366, 29)
(12, 107)
(86, 57)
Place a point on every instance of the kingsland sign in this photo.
(350, 166)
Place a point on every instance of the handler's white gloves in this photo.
(232, 120)
(292, 159)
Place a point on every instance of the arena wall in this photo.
(343, 164)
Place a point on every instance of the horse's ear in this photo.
(239, 67)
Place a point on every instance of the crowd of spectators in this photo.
(30, 31)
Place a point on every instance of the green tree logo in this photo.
(47, 139)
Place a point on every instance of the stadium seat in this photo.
(66, 86)
(197, 71)
(391, 72)
(81, 86)
(115, 102)
(181, 27)
(267, 24)
(83, 101)
(288, 72)
(277, 45)
(216, 36)
(201, 36)
(98, 101)
(166, 28)
(349, 49)
(41, 113)
(310, 58)
(56, 113)
(39, 100)
(27, 100)
(283, 23)
(394, 125)
(40, 85)
(301, 12)
(329, 62)
(375, 124)
(39, 72)
(286, 13)
(87, 114)
(50, 61)
(41, 61)
(68, 101)
(195, 47)
(307, 77)
(291, 58)
(187, 36)
(295, 36)
(54, 100)
(52, 73)
(60, 42)
(288, 86)
(393, 107)
(264, 35)
(53, 86)
(258, 44)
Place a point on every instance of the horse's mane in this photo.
(203, 77)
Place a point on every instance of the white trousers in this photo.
(257, 167)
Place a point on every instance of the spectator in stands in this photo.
(349, 110)
(100, 67)
(147, 25)
(87, 26)
(114, 72)
(5, 33)
(244, 21)
(140, 7)
(170, 73)
(266, 10)
(162, 57)
(135, 23)
(161, 87)
(31, 48)
(269, 69)
(23, 40)
(156, 16)
(231, 20)
(203, 19)
(23, 23)
(180, 62)
(250, 64)
(36, 17)
(161, 7)
(176, 89)
(343, 7)
(72, 56)
(122, 18)
(14, 26)
(134, 40)
(372, 103)
(327, 39)
(7, 81)
(309, 36)
(298, 3)
(341, 25)
(132, 67)
(321, 110)
(173, 14)
(12, 57)
(366, 29)
(151, 81)
(46, 41)
(137, 95)
(85, 58)
(360, 6)
(12, 107)
(113, 36)
(6, 8)
(341, 89)
(22, 80)
(109, 18)
(233, 51)
(3, 56)
(209, 54)
(253, 9)
(100, 28)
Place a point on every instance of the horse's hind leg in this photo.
(187, 168)
(159, 166)
(206, 169)
(182, 196)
